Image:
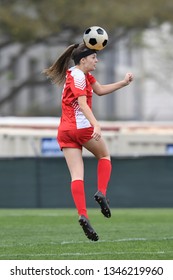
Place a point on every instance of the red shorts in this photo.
(74, 138)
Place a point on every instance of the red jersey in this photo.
(77, 84)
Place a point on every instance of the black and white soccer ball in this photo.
(95, 37)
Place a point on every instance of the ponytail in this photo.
(57, 71)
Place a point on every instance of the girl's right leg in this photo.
(74, 161)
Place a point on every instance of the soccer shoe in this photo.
(87, 228)
(103, 202)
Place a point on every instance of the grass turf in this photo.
(54, 234)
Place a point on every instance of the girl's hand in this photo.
(128, 78)
(96, 133)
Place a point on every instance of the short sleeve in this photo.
(78, 84)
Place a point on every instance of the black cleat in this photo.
(87, 228)
(103, 202)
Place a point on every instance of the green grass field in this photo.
(54, 234)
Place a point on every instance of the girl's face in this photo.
(89, 62)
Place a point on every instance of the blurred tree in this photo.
(33, 21)
(30, 20)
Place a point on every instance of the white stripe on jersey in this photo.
(81, 120)
(79, 82)
(79, 78)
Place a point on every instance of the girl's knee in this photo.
(105, 157)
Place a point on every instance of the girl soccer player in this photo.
(79, 128)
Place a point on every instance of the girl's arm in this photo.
(85, 109)
(109, 88)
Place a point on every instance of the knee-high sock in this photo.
(104, 168)
(78, 194)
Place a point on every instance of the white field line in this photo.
(86, 242)
(120, 240)
(87, 254)
(106, 241)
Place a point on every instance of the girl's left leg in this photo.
(104, 167)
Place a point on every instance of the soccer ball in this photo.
(95, 38)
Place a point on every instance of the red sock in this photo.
(103, 174)
(78, 193)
